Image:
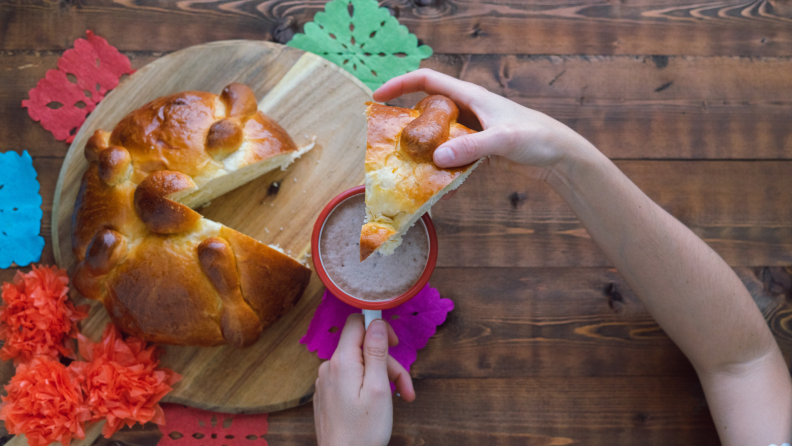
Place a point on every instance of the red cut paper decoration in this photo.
(97, 65)
(187, 427)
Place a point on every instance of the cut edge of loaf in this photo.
(395, 240)
(223, 184)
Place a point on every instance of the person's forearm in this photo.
(692, 293)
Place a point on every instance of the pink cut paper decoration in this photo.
(193, 427)
(96, 65)
(414, 322)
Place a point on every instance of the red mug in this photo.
(316, 256)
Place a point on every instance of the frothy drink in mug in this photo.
(378, 277)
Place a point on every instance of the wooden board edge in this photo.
(304, 399)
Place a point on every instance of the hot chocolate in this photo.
(378, 277)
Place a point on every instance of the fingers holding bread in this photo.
(422, 136)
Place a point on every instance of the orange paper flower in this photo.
(45, 403)
(38, 319)
(121, 380)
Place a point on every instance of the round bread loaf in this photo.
(163, 272)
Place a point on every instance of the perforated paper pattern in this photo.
(61, 104)
(186, 426)
(414, 322)
(363, 39)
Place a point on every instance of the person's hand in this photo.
(353, 403)
(516, 133)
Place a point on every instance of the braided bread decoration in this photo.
(402, 180)
(163, 272)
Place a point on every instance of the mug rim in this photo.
(431, 261)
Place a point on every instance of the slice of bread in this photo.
(402, 181)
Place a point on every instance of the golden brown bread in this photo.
(163, 272)
(402, 180)
(422, 136)
(372, 236)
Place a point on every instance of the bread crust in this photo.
(422, 136)
(401, 175)
(372, 236)
(159, 213)
(162, 271)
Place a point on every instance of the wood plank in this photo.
(739, 208)
(126, 25)
(537, 411)
(449, 26)
(524, 322)
(714, 108)
(676, 129)
(569, 27)
(624, 78)
(654, 107)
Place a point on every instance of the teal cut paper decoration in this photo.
(20, 211)
(363, 39)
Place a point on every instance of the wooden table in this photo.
(547, 344)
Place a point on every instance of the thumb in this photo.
(465, 149)
(375, 357)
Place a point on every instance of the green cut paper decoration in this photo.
(364, 39)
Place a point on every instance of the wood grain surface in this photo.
(707, 107)
(745, 28)
(737, 207)
(546, 345)
(657, 411)
(311, 98)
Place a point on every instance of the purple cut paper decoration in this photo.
(414, 322)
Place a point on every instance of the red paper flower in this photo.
(121, 380)
(44, 403)
(38, 319)
(62, 105)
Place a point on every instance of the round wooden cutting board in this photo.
(310, 97)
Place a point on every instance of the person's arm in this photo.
(692, 293)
